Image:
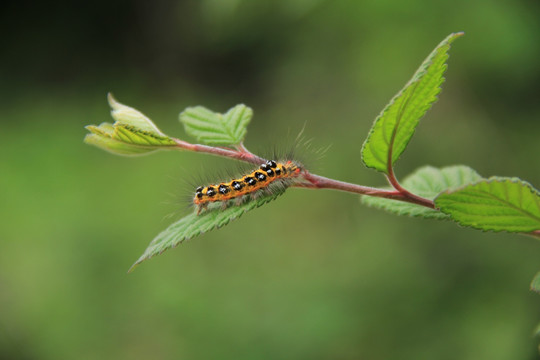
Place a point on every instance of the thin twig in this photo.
(313, 181)
(238, 155)
(321, 182)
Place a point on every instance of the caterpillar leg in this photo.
(256, 195)
(201, 207)
(224, 205)
(239, 200)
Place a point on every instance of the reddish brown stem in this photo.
(321, 182)
(405, 193)
(233, 154)
(313, 181)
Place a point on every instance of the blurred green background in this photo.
(314, 275)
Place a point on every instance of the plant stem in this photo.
(320, 182)
(230, 153)
(404, 192)
(314, 181)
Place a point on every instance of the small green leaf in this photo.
(535, 284)
(103, 138)
(131, 134)
(426, 182)
(395, 125)
(496, 204)
(126, 115)
(193, 225)
(219, 129)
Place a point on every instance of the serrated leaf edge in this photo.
(415, 79)
(227, 134)
(220, 223)
(499, 179)
(428, 213)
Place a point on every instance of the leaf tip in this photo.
(130, 270)
(110, 98)
(88, 139)
(91, 129)
(453, 36)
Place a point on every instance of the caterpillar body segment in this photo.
(248, 186)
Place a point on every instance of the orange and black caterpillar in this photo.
(268, 173)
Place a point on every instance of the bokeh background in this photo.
(314, 275)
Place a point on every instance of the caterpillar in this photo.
(269, 173)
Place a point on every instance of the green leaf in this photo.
(496, 204)
(126, 115)
(395, 125)
(535, 284)
(193, 225)
(218, 129)
(104, 138)
(426, 182)
(131, 134)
